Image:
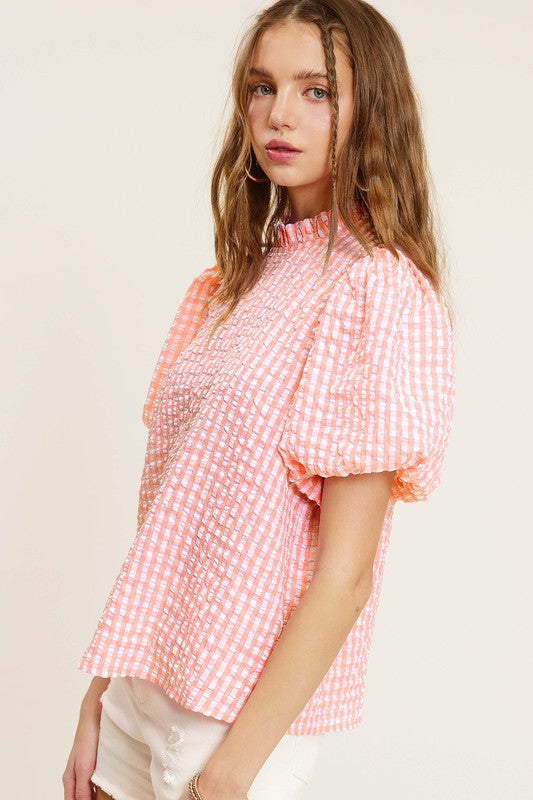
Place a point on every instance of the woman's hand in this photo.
(82, 758)
(211, 790)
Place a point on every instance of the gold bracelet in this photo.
(193, 787)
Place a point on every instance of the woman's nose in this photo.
(281, 111)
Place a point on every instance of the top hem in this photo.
(304, 728)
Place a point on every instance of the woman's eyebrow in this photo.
(302, 75)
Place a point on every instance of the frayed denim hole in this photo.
(171, 754)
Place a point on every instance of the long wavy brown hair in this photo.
(382, 166)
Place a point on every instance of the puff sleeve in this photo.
(377, 389)
(187, 320)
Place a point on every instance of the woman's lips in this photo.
(281, 156)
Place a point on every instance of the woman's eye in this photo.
(259, 86)
(319, 89)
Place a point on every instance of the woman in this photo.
(305, 385)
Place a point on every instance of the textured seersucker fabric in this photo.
(313, 375)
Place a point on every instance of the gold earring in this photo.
(253, 178)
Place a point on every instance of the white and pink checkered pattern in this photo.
(313, 375)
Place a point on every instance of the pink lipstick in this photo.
(280, 151)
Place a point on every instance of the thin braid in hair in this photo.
(329, 52)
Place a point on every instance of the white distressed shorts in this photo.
(150, 747)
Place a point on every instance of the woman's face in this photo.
(284, 104)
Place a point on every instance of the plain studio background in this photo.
(111, 114)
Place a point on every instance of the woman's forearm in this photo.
(91, 700)
(307, 647)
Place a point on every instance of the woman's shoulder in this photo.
(382, 280)
(209, 276)
(200, 288)
(389, 292)
(383, 268)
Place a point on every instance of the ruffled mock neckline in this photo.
(288, 234)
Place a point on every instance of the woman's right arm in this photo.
(82, 758)
(91, 701)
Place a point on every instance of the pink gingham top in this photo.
(312, 375)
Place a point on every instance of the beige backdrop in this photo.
(111, 113)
